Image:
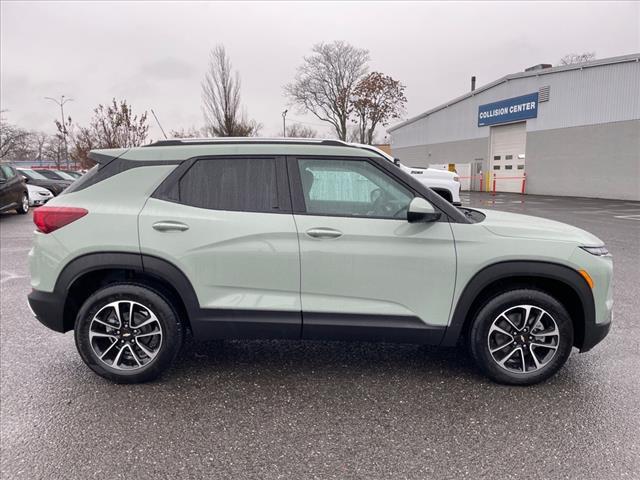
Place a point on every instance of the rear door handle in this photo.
(322, 232)
(169, 226)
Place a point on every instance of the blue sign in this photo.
(509, 110)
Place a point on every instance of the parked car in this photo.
(38, 195)
(72, 173)
(13, 190)
(35, 178)
(249, 238)
(55, 174)
(444, 183)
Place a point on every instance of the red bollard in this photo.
(494, 184)
(524, 182)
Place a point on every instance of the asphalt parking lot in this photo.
(276, 409)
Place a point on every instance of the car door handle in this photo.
(169, 226)
(321, 232)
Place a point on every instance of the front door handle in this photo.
(169, 226)
(322, 232)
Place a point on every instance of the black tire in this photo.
(167, 317)
(480, 330)
(23, 207)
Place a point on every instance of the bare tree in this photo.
(324, 83)
(298, 130)
(573, 58)
(12, 137)
(221, 99)
(112, 126)
(191, 132)
(376, 100)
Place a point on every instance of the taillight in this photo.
(49, 219)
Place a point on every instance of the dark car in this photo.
(55, 174)
(13, 190)
(35, 178)
(73, 173)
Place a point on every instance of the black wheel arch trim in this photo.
(528, 269)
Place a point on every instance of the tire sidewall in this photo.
(172, 332)
(493, 308)
(24, 207)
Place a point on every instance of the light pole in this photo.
(61, 103)
(284, 123)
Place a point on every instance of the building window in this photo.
(496, 157)
(509, 157)
(520, 167)
(508, 167)
(496, 167)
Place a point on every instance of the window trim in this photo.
(169, 191)
(297, 195)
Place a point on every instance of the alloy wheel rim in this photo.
(25, 203)
(523, 339)
(125, 335)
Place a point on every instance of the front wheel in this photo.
(128, 333)
(521, 337)
(23, 207)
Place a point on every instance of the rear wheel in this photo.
(128, 333)
(521, 337)
(24, 204)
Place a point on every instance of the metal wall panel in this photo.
(593, 95)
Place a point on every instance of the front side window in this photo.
(238, 184)
(351, 188)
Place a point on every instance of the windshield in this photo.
(64, 175)
(32, 174)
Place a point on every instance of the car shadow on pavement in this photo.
(310, 358)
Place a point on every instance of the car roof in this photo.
(183, 149)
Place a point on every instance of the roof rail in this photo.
(246, 140)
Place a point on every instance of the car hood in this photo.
(429, 172)
(508, 224)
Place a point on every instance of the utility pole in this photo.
(284, 123)
(61, 103)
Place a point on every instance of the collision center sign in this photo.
(509, 110)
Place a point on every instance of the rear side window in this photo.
(239, 184)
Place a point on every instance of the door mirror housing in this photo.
(25, 179)
(421, 211)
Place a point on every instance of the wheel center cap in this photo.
(523, 339)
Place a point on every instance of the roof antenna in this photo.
(156, 117)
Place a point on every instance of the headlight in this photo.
(597, 251)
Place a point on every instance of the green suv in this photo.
(291, 239)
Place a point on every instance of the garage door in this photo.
(508, 144)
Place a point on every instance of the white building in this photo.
(573, 130)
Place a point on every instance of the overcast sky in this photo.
(154, 54)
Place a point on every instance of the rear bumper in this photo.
(48, 308)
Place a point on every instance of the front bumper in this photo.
(48, 308)
(594, 334)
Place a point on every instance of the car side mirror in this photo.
(26, 179)
(421, 211)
